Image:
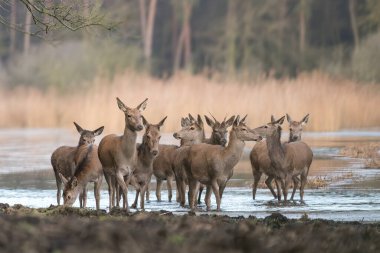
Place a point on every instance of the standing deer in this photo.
(191, 132)
(290, 160)
(218, 137)
(89, 169)
(261, 162)
(147, 151)
(118, 154)
(63, 160)
(213, 165)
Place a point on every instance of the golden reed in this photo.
(333, 104)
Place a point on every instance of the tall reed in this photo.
(332, 104)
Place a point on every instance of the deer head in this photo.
(243, 132)
(191, 129)
(87, 137)
(71, 190)
(133, 119)
(295, 127)
(270, 128)
(219, 130)
(152, 135)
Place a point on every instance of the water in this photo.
(353, 192)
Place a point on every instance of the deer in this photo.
(88, 169)
(213, 165)
(192, 132)
(218, 137)
(118, 154)
(261, 163)
(290, 160)
(63, 160)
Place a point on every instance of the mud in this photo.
(57, 229)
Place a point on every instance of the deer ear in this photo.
(63, 179)
(183, 122)
(280, 121)
(288, 118)
(209, 122)
(161, 122)
(98, 131)
(79, 129)
(191, 118)
(145, 122)
(121, 105)
(237, 119)
(200, 121)
(305, 119)
(243, 119)
(272, 118)
(230, 121)
(141, 107)
(74, 182)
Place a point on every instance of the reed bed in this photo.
(333, 104)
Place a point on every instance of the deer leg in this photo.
(158, 189)
(303, 183)
(134, 205)
(142, 200)
(183, 193)
(285, 186)
(123, 184)
(84, 197)
(109, 183)
(138, 190)
(97, 186)
(169, 181)
(147, 191)
(278, 189)
(256, 179)
(215, 189)
(192, 193)
(208, 197)
(201, 187)
(268, 183)
(59, 192)
(296, 181)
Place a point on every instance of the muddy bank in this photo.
(74, 230)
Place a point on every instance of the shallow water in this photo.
(353, 192)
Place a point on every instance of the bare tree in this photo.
(12, 44)
(147, 28)
(48, 15)
(302, 26)
(27, 25)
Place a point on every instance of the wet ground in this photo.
(349, 191)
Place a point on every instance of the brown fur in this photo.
(118, 154)
(289, 160)
(213, 165)
(261, 162)
(63, 160)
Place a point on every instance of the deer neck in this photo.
(234, 150)
(145, 156)
(129, 142)
(200, 139)
(275, 149)
(212, 140)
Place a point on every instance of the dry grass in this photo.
(370, 152)
(333, 104)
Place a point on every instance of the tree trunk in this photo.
(302, 26)
(149, 32)
(143, 20)
(354, 26)
(187, 34)
(28, 24)
(231, 33)
(12, 36)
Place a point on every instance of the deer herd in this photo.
(198, 162)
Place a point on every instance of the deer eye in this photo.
(192, 128)
(265, 126)
(68, 197)
(129, 116)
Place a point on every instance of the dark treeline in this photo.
(237, 39)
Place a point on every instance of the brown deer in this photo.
(213, 165)
(147, 151)
(289, 160)
(218, 137)
(191, 132)
(261, 162)
(88, 169)
(118, 154)
(63, 160)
